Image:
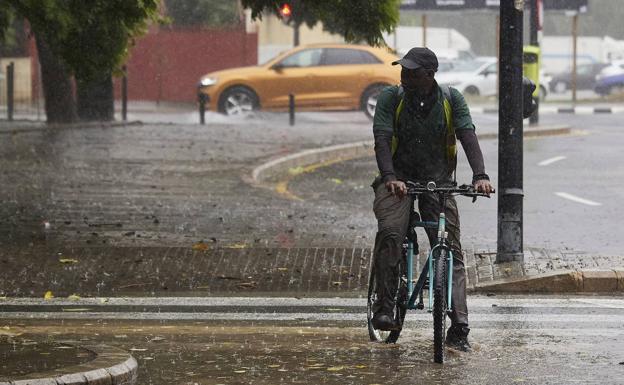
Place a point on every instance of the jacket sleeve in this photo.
(383, 130)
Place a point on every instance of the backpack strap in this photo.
(397, 113)
(451, 140)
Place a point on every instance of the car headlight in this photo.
(208, 81)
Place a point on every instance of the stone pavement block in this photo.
(620, 279)
(600, 281)
(124, 373)
(40, 381)
(72, 379)
(98, 377)
(567, 282)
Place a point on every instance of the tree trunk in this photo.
(96, 99)
(60, 105)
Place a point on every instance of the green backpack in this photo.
(451, 141)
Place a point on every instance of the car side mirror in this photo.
(277, 67)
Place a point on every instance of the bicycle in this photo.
(439, 263)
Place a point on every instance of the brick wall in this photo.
(165, 65)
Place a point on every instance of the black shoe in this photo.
(457, 338)
(384, 322)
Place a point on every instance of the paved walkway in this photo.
(154, 208)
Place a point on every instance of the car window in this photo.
(305, 58)
(338, 56)
(582, 69)
(467, 66)
(491, 69)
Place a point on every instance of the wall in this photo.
(165, 65)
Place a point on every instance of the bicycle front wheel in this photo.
(439, 304)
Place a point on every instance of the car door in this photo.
(342, 77)
(295, 74)
(487, 82)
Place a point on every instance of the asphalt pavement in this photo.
(516, 339)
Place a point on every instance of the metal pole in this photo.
(10, 71)
(424, 30)
(291, 109)
(201, 99)
(534, 26)
(296, 34)
(574, 53)
(510, 132)
(124, 94)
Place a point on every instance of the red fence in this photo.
(165, 65)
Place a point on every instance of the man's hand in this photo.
(484, 186)
(397, 187)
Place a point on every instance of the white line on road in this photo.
(574, 198)
(595, 319)
(473, 301)
(551, 160)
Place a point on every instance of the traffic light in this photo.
(285, 12)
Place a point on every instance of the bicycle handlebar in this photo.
(414, 188)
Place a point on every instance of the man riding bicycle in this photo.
(415, 127)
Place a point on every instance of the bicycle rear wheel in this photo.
(439, 304)
(400, 308)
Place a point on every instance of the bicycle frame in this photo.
(414, 291)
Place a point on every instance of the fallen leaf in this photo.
(336, 180)
(138, 349)
(282, 268)
(335, 368)
(240, 371)
(200, 246)
(274, 366)
(68, 260)
(74, 297)
(48, 295)
(296, 170)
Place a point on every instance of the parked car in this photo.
(585, 78)
(606, 85)
(614, 68)
(472, 77)
(325, 77)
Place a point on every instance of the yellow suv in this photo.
(321, 77)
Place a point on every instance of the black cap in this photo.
(419, 57)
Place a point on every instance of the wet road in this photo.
(527, 340)
(572, 188)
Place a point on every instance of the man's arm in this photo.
(465, 132)
(383, 130)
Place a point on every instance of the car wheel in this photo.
(238, 100)
(472, 91)
(560, 87)
(369, 99)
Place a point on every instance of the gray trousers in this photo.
(392, 216)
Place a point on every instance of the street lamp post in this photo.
(510, 133)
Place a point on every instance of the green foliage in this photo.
(91, 37)
(355, 20)
(204, 13)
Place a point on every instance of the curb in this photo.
(577, 281)
(348, 151)
(582, 110)
(112, 366)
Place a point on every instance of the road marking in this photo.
(551, 160)
(473, 301)
(544, 318)
(577, 199)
